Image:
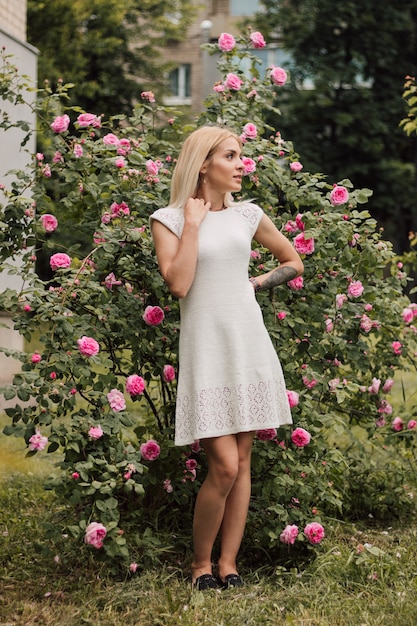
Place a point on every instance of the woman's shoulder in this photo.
(172, 218)
(250, 211)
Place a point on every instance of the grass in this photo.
(364, 575)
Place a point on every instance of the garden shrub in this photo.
(100, 392)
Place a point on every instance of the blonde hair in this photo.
(196, 149)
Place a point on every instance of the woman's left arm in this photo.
(290, 263)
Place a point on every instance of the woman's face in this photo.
(223, 172)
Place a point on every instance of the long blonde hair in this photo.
(196, 149)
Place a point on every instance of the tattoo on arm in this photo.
(278, 277)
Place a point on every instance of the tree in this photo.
(356, 55)
(109, 49)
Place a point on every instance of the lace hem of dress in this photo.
(243, 407)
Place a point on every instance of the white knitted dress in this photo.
(230, 379)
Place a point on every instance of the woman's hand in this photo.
(195, 211)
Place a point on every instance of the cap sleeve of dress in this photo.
(173, 219)
(252, 213)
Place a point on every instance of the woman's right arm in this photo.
(177, 258)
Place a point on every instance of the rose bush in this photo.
(108, 325)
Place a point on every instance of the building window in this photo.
(244, 7)
(179, 84)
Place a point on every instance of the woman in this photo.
(230, 380)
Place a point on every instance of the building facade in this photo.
(12, 156)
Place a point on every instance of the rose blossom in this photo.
(412, 425)
(110, 281)
(60, 124)
(60, 260)
(116, 400)
(296, 166)
(278, 76)
(153, 315)
(151, 167)
(49, 222)
(289, 534)
(303, 245)
(366, 323)
(374, 388)
(397, 424)
(281, 315)
(75, 475)
(296, 284)
(314, 532)
(95, 432)
(168, 373)
(293, 398)
(249, 165)
(88, 346)
(111, 140)
(135, 385)
(341, 298)
(267, 434)
(385, 407)
(355, 289)
(37, 441)
(250, 131)
(120, 162)
(257, 40)
(94, 535)
(36, 357)
(388, 385)
(88, 119)
(150, 450)
(133, 567)
(148, 95)
(300, 437)
(233, 82)
(226, 42)
(339, 195)
(407, 315)
(397, 347)
(168, 486)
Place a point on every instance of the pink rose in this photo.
(267, 434)
(408, 315)
(249, 165)
(296, 166)
(397, 424)
(300, 437)
(412, 425)
(37, 441)
(152, 167)
(168, 486)
(385, 407)
(153, 315)
(355, 289)
(339, 195)
(120, 162)
(278, 76)
(191, 464)
(110, 281)
(397, 347)
(168, 373)
(111, 140)
(60, 124)
(60, 260)
(78, 151)
(135, 385)
(303, 245)
(314, 532)
(226, 42)
(366, 323)
(75, 475)
(36, 357)
(281, 315)
(233, 82)
(289, 534)
(374, 388)
(296, 284)
(94, 535)
(388, 385)
(250, 131)
(150, 450)
(133, 567)
(149, 96)
(88, 119)
(116, 400)
(293, 398)
(257, 40)
(49, 222)
(95, 432)
(341, 298)
(88, 346)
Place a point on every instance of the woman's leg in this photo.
(236, 508)
(222, 455)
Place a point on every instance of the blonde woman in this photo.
(230, 380)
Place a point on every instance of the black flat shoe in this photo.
(232, 580)
(206, 581)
